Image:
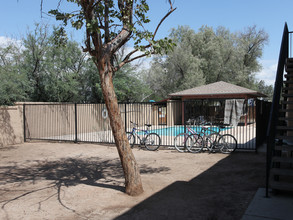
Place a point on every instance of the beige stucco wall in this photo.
(11, 125)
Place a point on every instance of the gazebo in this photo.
(217, 90)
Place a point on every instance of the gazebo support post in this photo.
(247, 111)
(183, 111)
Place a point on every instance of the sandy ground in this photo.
(85, 181)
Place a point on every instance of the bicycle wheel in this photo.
(194, 143)
(152, 141)
(179, 142)
(227, 143)
(211, 142)
(131, 139)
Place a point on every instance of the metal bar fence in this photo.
(236, 115)
(90, 122)
(262, 118)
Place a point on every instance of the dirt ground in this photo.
(85, 181)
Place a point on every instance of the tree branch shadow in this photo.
(65, 172)
(8, 148)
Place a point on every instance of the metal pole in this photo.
(75, 110)
(24, 130)
(184, 111)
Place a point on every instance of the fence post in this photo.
(24, 130)
(184, 115)
(258, 121)
(75, 112)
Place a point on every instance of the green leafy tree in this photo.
(13, 83)
(108, 26)
(206, 57)
(47, 68)
(56, 69)
(36, 45)
(53, 70)
(128, 86)
(64, 68)
(90, 84)
(265, 89)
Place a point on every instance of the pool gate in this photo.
(90, 122)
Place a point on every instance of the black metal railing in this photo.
(271, 132)
(262, 118)
(90, 122)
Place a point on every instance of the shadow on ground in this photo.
(66, 172)
(222, 192)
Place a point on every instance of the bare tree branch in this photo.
(127, 57)
(106, 22)
(171, 10)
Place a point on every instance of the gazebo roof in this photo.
(218, 90)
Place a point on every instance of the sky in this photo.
(17, 17)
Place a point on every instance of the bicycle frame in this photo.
(207, 137)
(134, 132)
(192, 132)
(211, 139)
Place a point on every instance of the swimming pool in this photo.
(173, 131)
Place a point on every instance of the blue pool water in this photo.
(173, 131)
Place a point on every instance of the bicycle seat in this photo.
(221, 126)
(148, 125)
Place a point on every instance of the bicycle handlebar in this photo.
(134, 124)
(205, 128)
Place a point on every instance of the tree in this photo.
(40, 67)
(54, 71)
(208, 56)
(128, 86)
(36, 45)
(13, 82)
(180, 69)
(64, 67)
(265, 89)
(108, 26)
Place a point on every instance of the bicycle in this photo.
(181, 141)
(215, 141)
(151, 141)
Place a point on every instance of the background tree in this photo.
(53, 71)
(40, 67)
(13, 82)
(128, 86)
(36, 45)
(208, 56)
(108, 26)
(265, 89)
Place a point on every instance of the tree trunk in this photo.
(133, 184)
